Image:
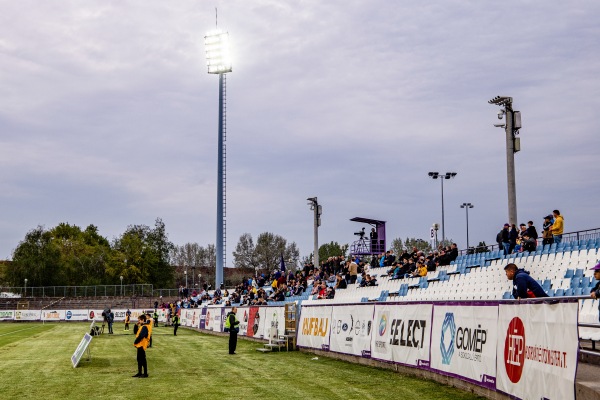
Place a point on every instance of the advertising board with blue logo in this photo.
(537, 350)
(463, 342)
(76, 315)
(402, 334)
(351, 328)
(314, 327)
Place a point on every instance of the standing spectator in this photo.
(175, 324)
(524, 286)
(506, 239)
(513, 234)
(352, 271)
(546, 232)
(141, 343)
(231, 323)
(127, 319)
(373, 237)
(557, 227)
(531, 231)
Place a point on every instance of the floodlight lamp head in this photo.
(218, 57)
(434, 175)
(501, 101)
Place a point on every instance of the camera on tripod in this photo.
(361, 233)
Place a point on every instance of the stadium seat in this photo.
(568, 292)
(578, 292)
(569, 273)
(578, 273)
(559, 292)
(507, 296)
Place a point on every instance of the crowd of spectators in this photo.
(525, 238)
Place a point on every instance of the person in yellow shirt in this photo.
(141, 343)
(557, 227)
(422, 269)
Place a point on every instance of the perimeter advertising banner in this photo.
(243, 316)
(255, 325)
(402, 334)
(53, 315)
(214, 319)
(202, 324)
(76, 315)
(537, 350)
(463, 342)
(7, 315)
(351, 328)
(27, 315)
(274, 318)
(315, 327)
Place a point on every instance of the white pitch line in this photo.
(20, 330)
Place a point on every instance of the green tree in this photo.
(269, 249)
(37, 259)
(331, 249)
(244, 255)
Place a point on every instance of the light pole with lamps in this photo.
(219, 62)
(447, 175)
(466, 206)
(200, 281)
(121, 277)
(513, 145)
(25, 287)
(185, 273)
(318, 210)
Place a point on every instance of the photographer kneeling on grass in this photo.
(141, 342)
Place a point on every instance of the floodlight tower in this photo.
(219, 62)
(448, 175)
(513, 145)
(318, 210)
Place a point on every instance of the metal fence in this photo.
(567, 237)
(139, 290)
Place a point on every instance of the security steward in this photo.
(231, 326)
(141, 343)
(175, 324)
(155, 317)
(149, 326)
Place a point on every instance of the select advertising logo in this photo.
(447, 339)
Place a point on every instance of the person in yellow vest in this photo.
(141, 343)
(127, 319)
(149, 325)
(231, 326)
(175, 324)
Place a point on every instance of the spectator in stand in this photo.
(595, 292)
(506, 239)
(421, 269)
(557, 227)
(513, 234)
(531, 231)
(341, 282)
(546, 232)
(453, 253)
(524, 285)
(352, 272)
(371, 281)
(322, 291)
(389, 258)
(528, 243)
(330, 293)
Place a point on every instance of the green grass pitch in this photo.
(35, 364)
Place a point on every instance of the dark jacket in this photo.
(525, 284)
(596, 289)
(532, 232)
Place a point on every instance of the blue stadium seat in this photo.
(546, 285)
(575, 282)
(568, 292)
(507, 296)
(578, 292)
(559, 292)
(550, 293)
(578, 273)
(585, 282)
(569, 273)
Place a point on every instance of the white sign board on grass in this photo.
(83, 346)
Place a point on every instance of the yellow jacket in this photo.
(143, 343)
(558, 226)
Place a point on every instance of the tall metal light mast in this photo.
(219, 62)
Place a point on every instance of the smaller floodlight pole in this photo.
(447, 175)
(512, 126)
(121, 277)
(25, 288)
(466, 206)
(318, 210)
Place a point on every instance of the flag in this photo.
(282, 263)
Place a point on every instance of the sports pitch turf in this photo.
(35, 364)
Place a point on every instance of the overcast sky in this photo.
(108, 116)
